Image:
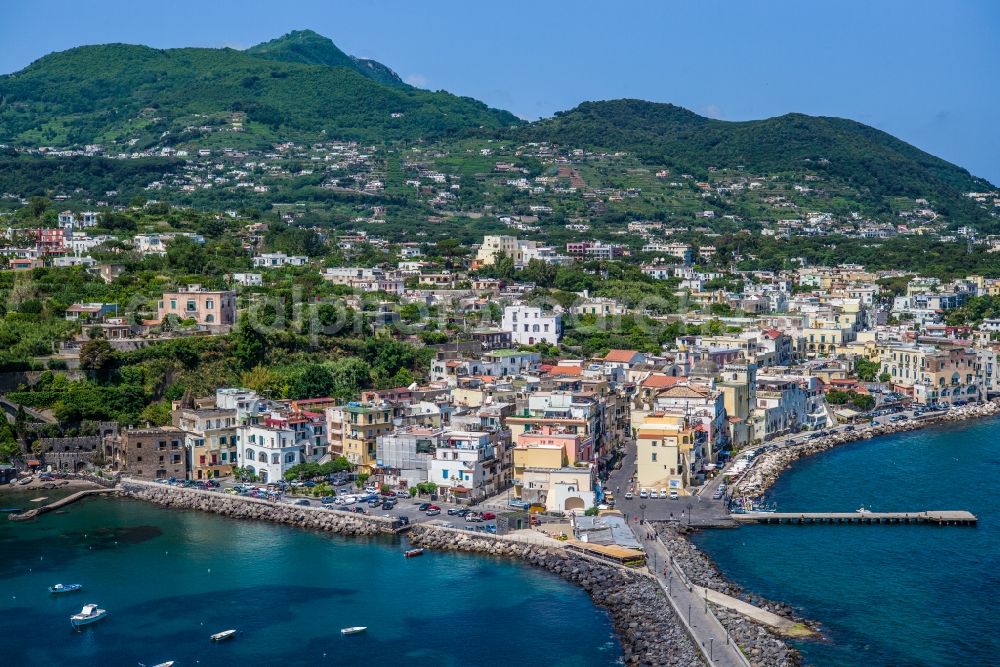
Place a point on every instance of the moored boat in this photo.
(222, 636)
(64, 588)
(410, 553)
(354, 630)
(89, 614)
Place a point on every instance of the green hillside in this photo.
(139, 96)
(870, 160)
(308, 47)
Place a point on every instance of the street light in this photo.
(642, 508)
(689, 512)
(711, 646)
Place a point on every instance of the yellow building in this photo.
(363, 423)
(664, 445)
(932, 375)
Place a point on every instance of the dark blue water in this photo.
(171, 578)
(886, 595)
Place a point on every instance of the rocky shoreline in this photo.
(649, 631)
(252, 509)
(762, 644)
(768, 468)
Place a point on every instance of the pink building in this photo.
(576, 445)
(212, 309)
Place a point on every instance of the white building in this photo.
(465, 464)
(268, 451)
(275, 259)
(248, 279)
(529, 325)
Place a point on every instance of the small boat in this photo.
(410, 553)
(358, 629)
(89, 614)
(168, 663)
(861, 510)
(65, 588)
(224, 635)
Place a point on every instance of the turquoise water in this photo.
(171, 578)
(886, 595)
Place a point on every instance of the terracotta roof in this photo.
(566, 370)
(620, 356)
(661, 381)
(772, 333)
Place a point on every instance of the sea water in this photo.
(170, 578)
(890, 594)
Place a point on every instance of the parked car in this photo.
(387, 505)
(472, 517)
(433, 512)
(423, 507)
(302, 502)
(673, 495)
(452, 511)
(643, 494)
(663, 493)
(488, 516)
(628, 495)
(462, 511)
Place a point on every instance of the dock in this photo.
(936, 518)
(32, 513)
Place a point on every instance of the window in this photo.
(191, 306)
(444, 474)
(173, 304)
(654, 457)
(209, 303)
(210, 318)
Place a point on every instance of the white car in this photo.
(673, 495)
(628, 495)
(663, 493)
(643, 494)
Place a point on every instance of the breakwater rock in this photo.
(650, 632)
(769, 466)
(761, 644)
(253, 509)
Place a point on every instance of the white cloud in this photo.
(418, 80)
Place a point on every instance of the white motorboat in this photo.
(89, 614)
(64, 588)
(222, 636)
(358, 629)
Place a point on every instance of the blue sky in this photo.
(927, 72)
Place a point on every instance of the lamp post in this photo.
(711, 647)
(642, 509)
(689, 512)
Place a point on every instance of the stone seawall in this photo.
(238, 507)
(769, 467)
(649, 631)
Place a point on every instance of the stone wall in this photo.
(649, 631)
(239, 507)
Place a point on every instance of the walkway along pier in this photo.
(937, 518)
(32, 513)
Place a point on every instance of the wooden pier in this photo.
(936, 518)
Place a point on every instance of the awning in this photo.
(460, 489)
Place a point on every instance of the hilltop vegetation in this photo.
(137, 96)
(306, 46)
(860, 156)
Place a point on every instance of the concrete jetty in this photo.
(62, 502)
(937, 518)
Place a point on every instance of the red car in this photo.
(488, 516)
(434, 507)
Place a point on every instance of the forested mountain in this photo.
(306, 46)
(140, 96)
(858, 155)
